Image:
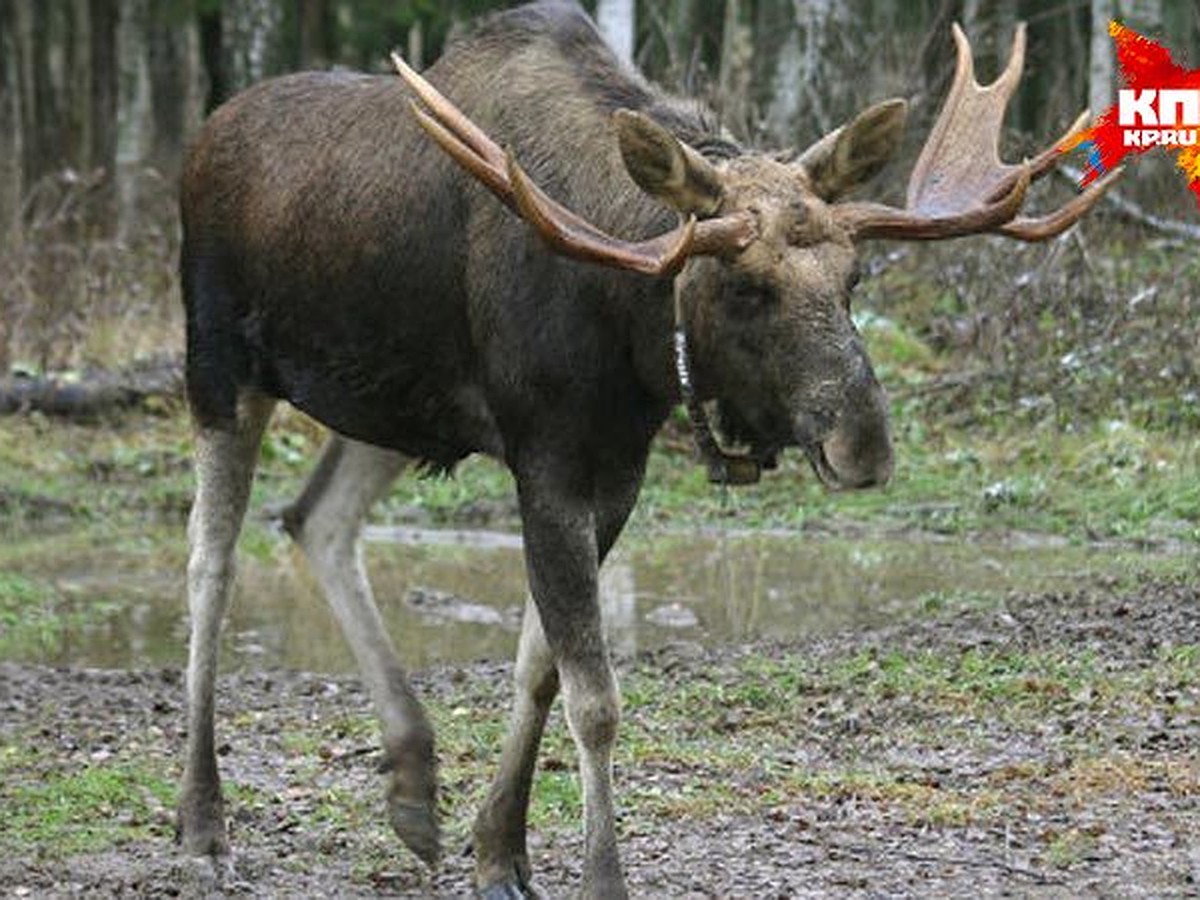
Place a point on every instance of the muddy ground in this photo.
(1111, 830)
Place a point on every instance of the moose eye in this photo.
(855, 276)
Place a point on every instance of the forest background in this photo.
(1017, 372)
(983, 739)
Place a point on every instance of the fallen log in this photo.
(94, 393)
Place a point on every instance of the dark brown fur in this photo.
(334, 257)
(325, 234)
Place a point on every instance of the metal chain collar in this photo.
(723, 468)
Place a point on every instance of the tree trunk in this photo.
(737, 55)
(314, 34)
(1007, 17)
(12, 182)
(177, 84)
(683, 44)
(1101, 65)
(617, 24)
(971, 17)
(135, 113)
(1144, 15)
(102, 149)
(78, 85)
(416, 46)
(250, 42)
(786, 88)
(12, 150)
(810, 91)
(40, 110)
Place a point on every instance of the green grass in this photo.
(723, 742)
(1102, 479)
(35, 616)
(62, 813)
(1135, 485)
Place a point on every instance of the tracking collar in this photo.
(723, 467)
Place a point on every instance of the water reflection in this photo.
(453, 596)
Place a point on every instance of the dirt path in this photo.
(1068, 768)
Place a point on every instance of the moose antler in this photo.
(959, 185)
(569, 234)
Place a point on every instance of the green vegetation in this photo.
(1075, 420)
(94, 807)
(35, 616)
(1026, 723)
(1050, 389)
(728, 739)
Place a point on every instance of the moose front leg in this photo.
(562, 558)
(502, 864)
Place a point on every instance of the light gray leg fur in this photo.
(499, 835)
(225, 463)
(326, 521)
(593, 709)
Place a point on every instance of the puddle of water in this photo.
(451, 596)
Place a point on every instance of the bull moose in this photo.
(344, 250)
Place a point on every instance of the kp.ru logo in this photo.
(1143, 115)
(1159, 107)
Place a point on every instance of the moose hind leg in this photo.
(326, 522)
(225, 460)
(502, 867)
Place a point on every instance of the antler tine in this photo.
(468, 145)
(495, 179)
(467, 131)
(959, 184)
(1045, 227)
(877, 220)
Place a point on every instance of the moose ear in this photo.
(665, 167)
(849, 156)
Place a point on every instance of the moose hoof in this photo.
(207, 875)
(417, 826)
(200, 827)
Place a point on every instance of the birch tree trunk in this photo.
(617, 23)
(783, 109)
(1101, 62)
(811, 91)
(683, 43)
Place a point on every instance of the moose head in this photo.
(765, 255)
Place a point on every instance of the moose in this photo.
(344, 250)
